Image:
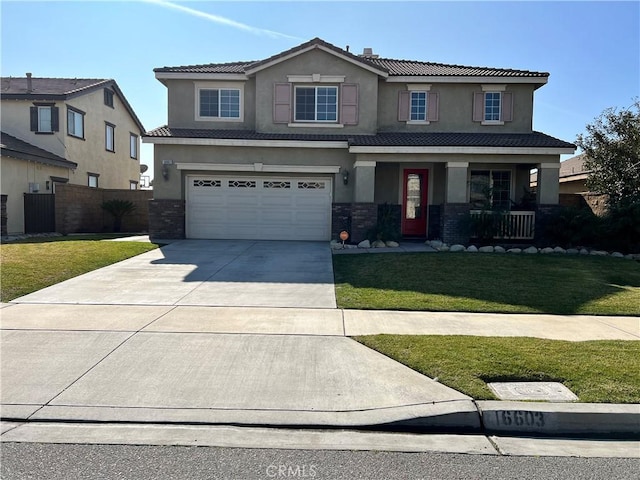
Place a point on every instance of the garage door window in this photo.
(242, 184)
(205, 182)
(275, 184)
(311, 185)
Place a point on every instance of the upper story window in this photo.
(316, 104)
(306, 105)
(108, 97)
(110, 137)
(75, 123)
(44, 118)
(418, 104)
(133, 145)
(219, 104)
(493, 106)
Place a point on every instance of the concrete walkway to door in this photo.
(238, 273)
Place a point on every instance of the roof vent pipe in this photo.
(29, 84)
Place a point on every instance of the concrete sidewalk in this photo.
(154, 364)
(311, 321)
(263, 366)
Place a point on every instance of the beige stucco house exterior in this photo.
(314, 140)
(61, 130)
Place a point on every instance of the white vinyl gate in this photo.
(258, 208)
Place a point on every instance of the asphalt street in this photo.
(22, 461)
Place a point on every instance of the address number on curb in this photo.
(518, 418)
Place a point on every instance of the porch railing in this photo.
(515, 225)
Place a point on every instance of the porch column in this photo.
(365, 181)
(456, 206)
(548, 184)
(457, 182)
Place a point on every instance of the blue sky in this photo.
(591, 49)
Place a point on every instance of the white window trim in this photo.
(75, 111)
(218, 86)
(419, 87)
(485, 90)
(41, 108)
(316, 78)
(316, 123)
(108, 126)
(131, 144)
(97, 178)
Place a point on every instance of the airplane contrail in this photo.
(220, 20)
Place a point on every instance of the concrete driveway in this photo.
(241, 273)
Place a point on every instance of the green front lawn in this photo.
(475, 282)
(596, 371)
(31, 265)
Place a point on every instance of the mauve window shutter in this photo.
(507, 107)
(282, 103)
(55, 119)
(433, 107)
(33, 112)
(478, 106)
(403, 106)
(349, 104)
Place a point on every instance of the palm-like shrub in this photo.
(118, 209)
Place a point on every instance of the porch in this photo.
(452, 201)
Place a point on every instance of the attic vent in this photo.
(368, 53)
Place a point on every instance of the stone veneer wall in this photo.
(3, 215)
(364, 217)
(340, 219)
(435, 222)
(355, 218)
(452, 227)
(166, 219)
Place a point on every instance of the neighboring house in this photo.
(62, 130)
(573, 175)
(313, 140)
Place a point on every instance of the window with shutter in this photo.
(493, 106)
(316, 104)
(282, 103)
(418, 104)
(44, 118)
(349, 104)
(404, 99)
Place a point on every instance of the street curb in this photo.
(449, 416)
(560, 419)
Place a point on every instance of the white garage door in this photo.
(260, 208)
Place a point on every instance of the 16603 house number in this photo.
(520, 418)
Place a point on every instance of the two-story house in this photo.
(65, 130)
(313, 140)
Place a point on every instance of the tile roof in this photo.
(48, 86)
(15, 88)
(233, 67)
(11, 146)
(391, 66)
(574, 166)
(382, 139)
(417, 68)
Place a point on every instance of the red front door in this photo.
(414, 202)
